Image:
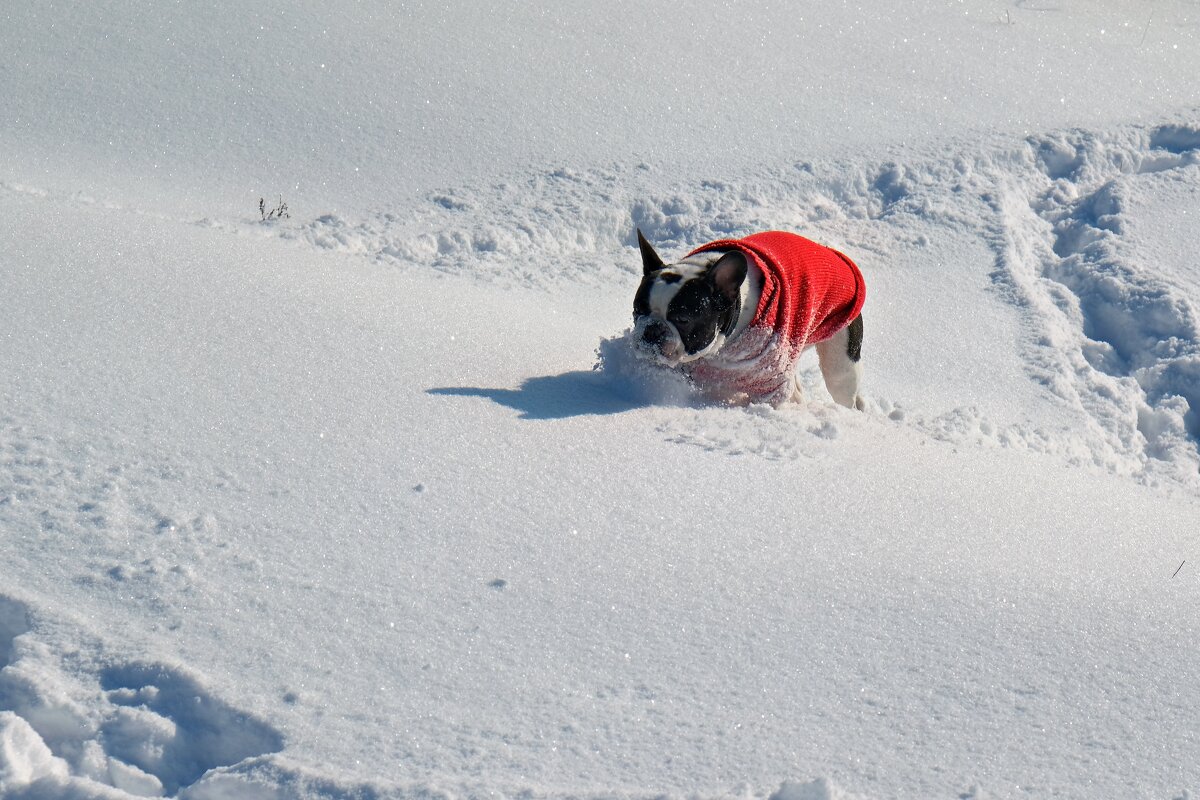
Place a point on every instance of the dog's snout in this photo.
(660, 340)
(655, 334)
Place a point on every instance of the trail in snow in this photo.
(1109, 330)
(1116, 333)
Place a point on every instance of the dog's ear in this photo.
(650, 259)
(728, 273)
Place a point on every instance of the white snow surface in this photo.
(370, 501)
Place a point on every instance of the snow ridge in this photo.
(567, 227)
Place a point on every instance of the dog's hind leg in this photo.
(840, 366)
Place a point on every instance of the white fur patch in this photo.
(662, 293)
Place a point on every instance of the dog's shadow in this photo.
(571, 394)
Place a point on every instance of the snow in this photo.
(370, 501)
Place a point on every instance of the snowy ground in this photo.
(340, 505)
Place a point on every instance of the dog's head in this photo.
(686, 311)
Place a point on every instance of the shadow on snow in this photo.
(571, 394)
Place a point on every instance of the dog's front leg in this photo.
(797, 396)
(776, 391)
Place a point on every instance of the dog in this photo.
(734, 315)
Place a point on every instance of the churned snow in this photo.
(369, 500)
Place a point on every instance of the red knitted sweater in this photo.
(809, 293)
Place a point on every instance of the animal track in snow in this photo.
(1137, 328)
(142, 728)
(1108, 330)
(168, 726)
(1182, 140)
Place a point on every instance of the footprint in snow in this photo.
(169, 726)
(146, 729)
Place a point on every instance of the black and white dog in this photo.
(735, 314)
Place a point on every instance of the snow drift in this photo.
(370, 502)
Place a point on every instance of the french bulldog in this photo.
(735, 314)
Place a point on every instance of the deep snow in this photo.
(349, 504)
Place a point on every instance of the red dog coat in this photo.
(809, 293)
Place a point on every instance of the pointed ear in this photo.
(650, 259)
(728, 273)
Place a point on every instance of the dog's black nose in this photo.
(654, 334)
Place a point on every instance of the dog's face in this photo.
(683, 312)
